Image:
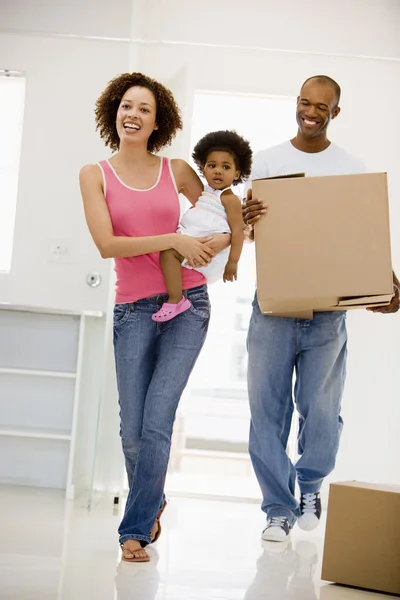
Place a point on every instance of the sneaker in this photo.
(310, 507)
(277, 530)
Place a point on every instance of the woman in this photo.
(132, 209)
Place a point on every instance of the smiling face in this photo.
(316, 107)
(136, 116)
(220, 170)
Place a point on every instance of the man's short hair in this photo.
(327, 80)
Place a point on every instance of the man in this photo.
(314, 349)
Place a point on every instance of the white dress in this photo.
(205, 218)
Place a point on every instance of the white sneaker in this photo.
(310, 507)
(277, 530)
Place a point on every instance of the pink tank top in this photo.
(136, 213)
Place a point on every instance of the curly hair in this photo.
(225, 141)
(168, 116)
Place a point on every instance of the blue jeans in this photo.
(153, 364)
(315, 350)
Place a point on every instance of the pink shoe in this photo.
(169, 311)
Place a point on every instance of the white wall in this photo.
(365, 27)
(64, 78)
(89, 18)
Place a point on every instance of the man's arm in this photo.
(394, 306)
(254, 208)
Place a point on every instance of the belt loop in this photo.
(132, 306)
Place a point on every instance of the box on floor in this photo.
(362, 538)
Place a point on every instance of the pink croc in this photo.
(169, 311)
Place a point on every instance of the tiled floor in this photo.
(209, 550)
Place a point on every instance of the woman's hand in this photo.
(219, 242)
(197, 251)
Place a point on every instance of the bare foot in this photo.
(154, 529)
(132, 551)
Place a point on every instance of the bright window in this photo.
(12, 97)
(212, 430)
(265, 121)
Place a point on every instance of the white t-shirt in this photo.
(285, 159)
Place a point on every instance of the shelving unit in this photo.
(38, 373)
(50, 372)
(40, 434)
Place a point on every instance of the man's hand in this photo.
(394, 306)
(253, 209)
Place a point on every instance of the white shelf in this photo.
(49, 396)
(50, 311)
(62, 374)
(42, 434)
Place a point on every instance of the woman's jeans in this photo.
(153, 364)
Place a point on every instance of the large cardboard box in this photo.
(362, 539)
(324, 244)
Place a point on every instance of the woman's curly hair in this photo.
(168, 117)
(225, 141)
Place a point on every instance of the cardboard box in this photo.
(324, 244)
(362, 539)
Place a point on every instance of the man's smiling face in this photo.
(316, 107)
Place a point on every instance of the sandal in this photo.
(169, 311)
(159, 529)
(135, 558)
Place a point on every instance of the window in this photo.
(12, 97)
(214, 413)
(265, 121)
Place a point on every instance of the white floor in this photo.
(209, 550)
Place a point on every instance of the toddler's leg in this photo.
(171, 265)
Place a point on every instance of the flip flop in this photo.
(134, 558)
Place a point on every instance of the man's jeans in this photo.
(153, 362)
(316, 351)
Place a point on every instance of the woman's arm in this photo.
(100, 226)
(112, 246)
(187, 181)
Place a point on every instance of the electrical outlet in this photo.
(59, 251)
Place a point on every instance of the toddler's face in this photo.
(220, 170)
